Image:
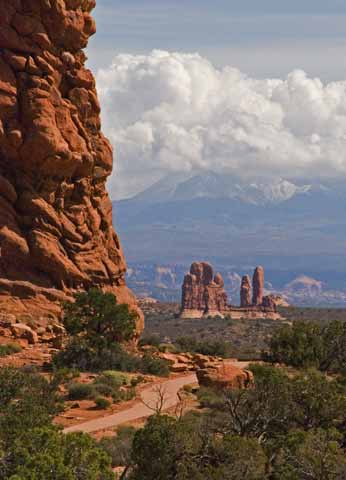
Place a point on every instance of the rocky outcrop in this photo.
(245, 292)
(56, 233)
(203, 292)
(258, 286)
(224, 376)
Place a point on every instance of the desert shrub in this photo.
(79, 355)
(76, 355)
(137, 380)
(167, 448)
(102, 403)
(317, 454)
(309, 344)
(154, 366)
(46, 453)
(27, 401)
(81, 391)
(153, 340)
(113, 378)
(9, 349)
(119, 447)
(103, 389)
(208, 398)
(31, 446)
(123, 395)
(218, 348)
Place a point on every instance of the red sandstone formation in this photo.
(258, 286)
(269, 302)
(202, 292)
(245, 292)
(204, 295)
(224, 376)
(56, 233)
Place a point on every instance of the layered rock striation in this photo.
(56, 233)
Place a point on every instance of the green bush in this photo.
(137, 380)
(102, 403)
(123, 395)
(153, 340)
(154, 366)
(309, 344)
(97, 317)
(103, 389)
(79, 355)
(113, 378)
(9, 349)
(119, 447)
(81, 391)
(217, 348)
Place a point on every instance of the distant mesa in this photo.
(203, 295)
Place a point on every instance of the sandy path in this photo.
(140, 410)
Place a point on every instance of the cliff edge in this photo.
(56, 233)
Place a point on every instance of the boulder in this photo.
(20, 330)
(224, 376)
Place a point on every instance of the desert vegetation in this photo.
(98, 327)
(285, 426)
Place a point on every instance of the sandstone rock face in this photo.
(258, 286)
(245, 292)
(223, 376)
(56, 233)
(19, 330)
(203, 292)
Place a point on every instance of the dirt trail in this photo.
(140, 410)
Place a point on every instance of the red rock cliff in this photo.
(56, 231)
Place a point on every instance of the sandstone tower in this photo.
(258, 286)
(245, 292)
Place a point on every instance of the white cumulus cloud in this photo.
(175, 112)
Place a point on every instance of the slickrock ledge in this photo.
(56, 233)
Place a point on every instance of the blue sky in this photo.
(263, 38)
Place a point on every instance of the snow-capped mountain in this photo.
(180, 187)
(293, 228)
